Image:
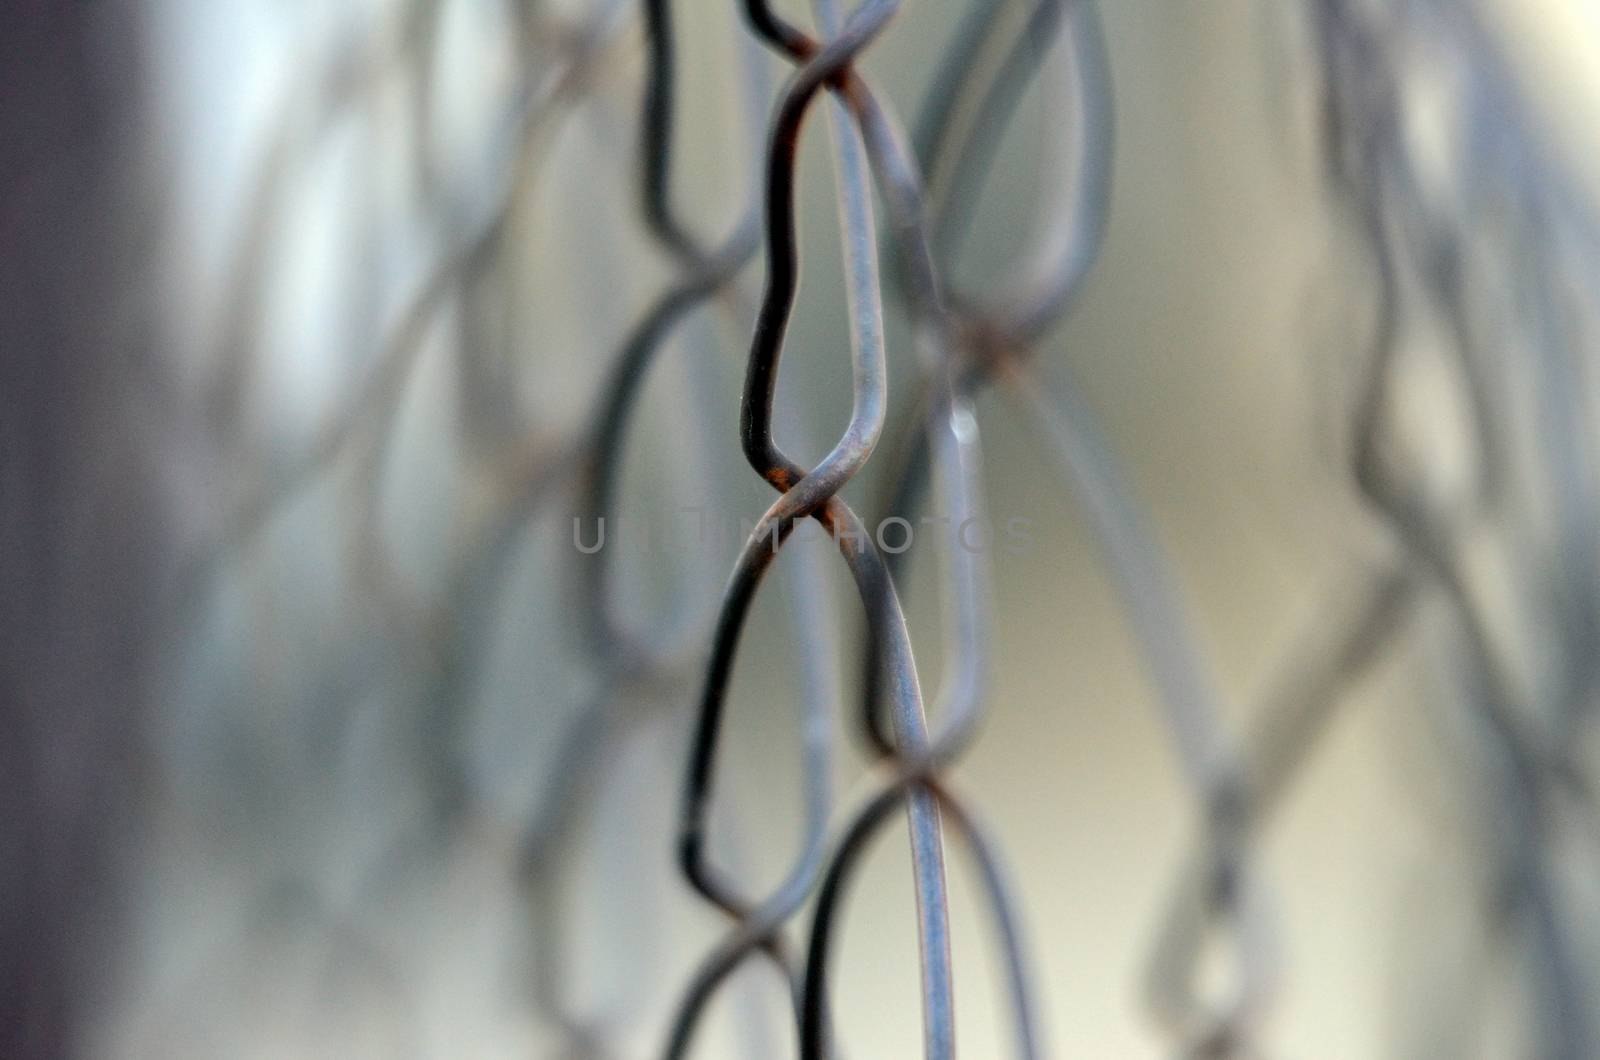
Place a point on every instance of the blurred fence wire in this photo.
(393, 716)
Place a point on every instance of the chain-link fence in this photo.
(1235, 697)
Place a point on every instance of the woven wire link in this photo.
(674, 667)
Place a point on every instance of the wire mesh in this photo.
(371, 753)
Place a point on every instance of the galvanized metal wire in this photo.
(905, 205)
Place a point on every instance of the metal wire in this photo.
(671, 668)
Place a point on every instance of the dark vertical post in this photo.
(79, 534)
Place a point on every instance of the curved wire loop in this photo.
(993, 336)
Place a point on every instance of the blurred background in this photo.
(311, 313)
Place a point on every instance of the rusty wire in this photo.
(680, 664)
